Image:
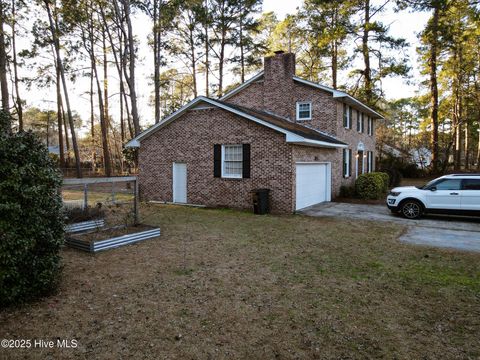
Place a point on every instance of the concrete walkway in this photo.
(461, 233)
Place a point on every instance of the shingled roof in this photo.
(295, 133)
(283, 123)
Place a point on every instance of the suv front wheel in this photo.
(411, 209)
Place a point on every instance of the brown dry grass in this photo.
(105, 234)
(227, 284)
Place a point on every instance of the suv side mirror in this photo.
(433, 188)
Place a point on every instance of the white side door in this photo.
(445, 194)
(471, 194)
(179, 182)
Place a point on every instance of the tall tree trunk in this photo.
(458, 113)
(105, 84)
(92, 118)
(56, 42)
(121, 69)
(466, 147)
(3, 63)
(367, 72)
(103, 122)
(15, 69)
(242, 55)
(207, 50)
(334, 53)
(59, 118)
(193, 60)
(130, 76)
(220, 65)
(432, 65)
(334, 63)
(65, 129)
(156, 57)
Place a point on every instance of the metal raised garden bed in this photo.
(85, 226)
(95, 246)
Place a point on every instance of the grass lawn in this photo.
(415, 181)
(228, 284)
(96, 196)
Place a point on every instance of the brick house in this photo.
(300, 139)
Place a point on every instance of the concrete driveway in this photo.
(461, 233)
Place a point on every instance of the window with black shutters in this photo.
(231, 161)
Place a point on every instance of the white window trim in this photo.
(347, 109)
(349, 120)
(347, 163)
(298, 110)
(224, 176)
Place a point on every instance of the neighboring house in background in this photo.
(299, 139)
(422, 157)
(394, 151)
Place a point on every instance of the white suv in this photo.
(457, 194)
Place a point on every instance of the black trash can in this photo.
(261, 201)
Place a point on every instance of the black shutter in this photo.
(350, 162)
(350, 113)
(246, 161)
(344, 162)
(217, 161)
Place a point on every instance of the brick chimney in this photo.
(278, 84)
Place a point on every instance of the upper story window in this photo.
(370, 125)
(347, 116)
(304, 110)
(232, 161)
(360, 122)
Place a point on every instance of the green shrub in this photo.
(371, 186)
(395, 177)
(347, 191)
(31, 220)
(386, 180)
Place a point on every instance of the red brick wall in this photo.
(352, 137)
(190, 139)
(278, 84)
(324, 108)
(251, 96)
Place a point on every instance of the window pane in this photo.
(471, 184)
(304, 110)
(233, 164)
(233, 153)
(450, 184)
(233, 168)
(304, 114)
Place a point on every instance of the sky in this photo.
(402, 24)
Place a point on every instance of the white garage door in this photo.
(312, 184)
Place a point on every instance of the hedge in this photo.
(371, 185)
(31, 219)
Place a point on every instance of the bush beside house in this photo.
(31, 219)
(372, 186)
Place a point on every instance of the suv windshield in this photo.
(427, 185)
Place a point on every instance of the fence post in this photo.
(113, 192)
(85, 196)
(135, 202)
